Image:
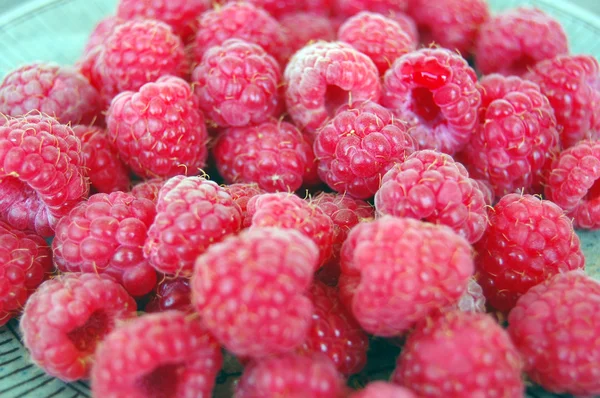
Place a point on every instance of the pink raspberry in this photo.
(431, 186)
(192, 214)
(148, 189)
(513, 41)
(283, 8)
(66, 318)
(399, 270)
(285, 210)
(237, 84)
(303, 28)
(357, 146)
(250, 290)
(460, 354)
(273, 154)
(105, 235)
(104, 167)
(407, 24)
(379, 37)
(325, 75)
(555, 326)
(157, 355)
(42, 174)
(434, 90)
(25, 262)
(382, 389)
(572, 85)
(527, 241)
(171, 294)
(241, 194)
(291, 376)
(101, 31)
(159, 130)
(487, 191)
(59, 91)
(517, 135)
(348, 8)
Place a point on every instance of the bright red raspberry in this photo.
(104, 167)
(407, 24)
(399, 270)
(348, 8)
(431, 186)
(192, 214)
(101, 31)
(148, 189)
(283, 8)
(434, 90)
(460, 354)
(171, 294)
(528, 241)
(237, 84)
(250, 290)
(291, 376)
(513, 41)
(59, 91)
(25, 262)
(159, 130)
(517, 135)
(303, 28)
(572, 85)
(42, 173)
(241, 194)
(286, 210)
(357, 146)
(66, 318)
(241, 20)
(323, 76)
(382, 389)
(555, 326)
(157, 355)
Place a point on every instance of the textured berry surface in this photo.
(250, 290)
(282, 8)
(528, 240)
(148, 189)
(101, 31)
(517, 137)
(25, 262)
(105, 235)
(159, 130)
(473, 299)
(434, 91)
(303, 28)
(59, 91)
(325, 75)
(572, 85)
(171, 294)
(192, 214)
(382, 389)
(407, 24)
(431, 186)
(42, 174)
(347, 8)
(460, 354)
(357, 146)
(555, 326)
(399, 270)
(379, 37)
(66, 318)
(241, 193)
(512, 41)
(157, 355)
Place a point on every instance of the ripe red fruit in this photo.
(303, 28)
(148, 189)
(382, 389)
(171, 294)
(347, 8)
(241, 194)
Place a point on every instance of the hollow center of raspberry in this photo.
(334, 98)
(594, 192)
(423, 104)
(161, 382)
(86, 337)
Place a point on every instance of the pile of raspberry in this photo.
(308, 198)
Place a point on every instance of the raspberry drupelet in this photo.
(171, 294)
(241, 193)
(348, 8)
(148, 189)
(303, 28)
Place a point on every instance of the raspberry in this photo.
(487, 191)
(348, 8)
(303, 28)
(473, 299)
(382, 389)
(101, 31)
(453, 24)
(105, 235)
(572, 85)
(285, 210)
(148, 189)
(528, 241)
(399, 270)
(518, 135)
(357, 146)
(513, 41)
(42, 175)
(192, 214)
(250, 290)
(273, 154)
(431, 186)
(25, 262)
(460, 354)
(283, 8)
(171, 294)
(434, 91)
(157, 355)
(241, 21)
(241, 194)
(555, 326)
(104, 167)
(236, 83)
(159, 130)
(66, 318)
(325, 75)
(59, 91)
(292, 376)
(380, 38)
(407, 24)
